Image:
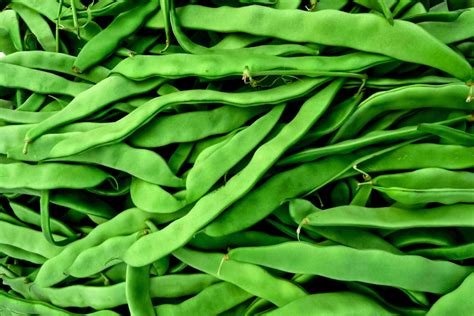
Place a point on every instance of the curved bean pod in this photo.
(448, 133)
(56, 62)
(104, 44)
(459, 29)
(137, 291)
(457, 302)
(18, 253)
(369, 266)
(336, 303)
(191, 126)
(47, 176)
(29, 216)
(98, 258)
(450, 96)
(127, 222)
(429, 185)
(249, 277)
(214, 203)
(26, 239)
(207, 66)
(39, 81)
(214, 162)
(460, 252)
(119, 130)
(38, 26)
(109, 90)
(263, 200)
(390, 40)
(457, 215)
(102, 297)
(213, 300)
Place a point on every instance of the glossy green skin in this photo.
(57, 62)
(13, 304)
(453, 135)
(429, 185)
(370, 266)
(213, 300)
(103, 297)
(33, 103)
(301, 210)
(38, 26)
(50, 176)
(214, 162)
(263, 200)
(458, 301)
(119, 130)
(19, 253)
(208, 66)
(127, 222)
(137, 290)
(460, 252)
(39, 81)
(457, 215)
(9, 21)
(191, 126)
(15, 117)
(351, 30)
(109, 90)
(104, 44)
(98, 258)
(415, 156)
(249, 277)
(211, 205)
(452, 96)
(30, 216)
(152, 167)
(337, 303)
(26, 239)
(424, 236)
(459, 29)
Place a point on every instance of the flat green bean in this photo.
(390, 40)
(214, 203)
(457, 301)
(336, 303)
(122, 128)
(369, 266)
(214, 300)
(249, 277)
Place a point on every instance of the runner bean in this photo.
(369, 266)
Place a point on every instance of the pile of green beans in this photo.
(238, 157)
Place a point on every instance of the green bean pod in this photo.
(214, 300)
(351, 30)
(369, 266)
(458, 301)
(39, 81)
(175, 66)
(214, 203)
(428, 185)
(336, 303)
(191, 126)
(109, 90)
(119, 130)
(249, 277)
(456, 215)
(104, 44)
